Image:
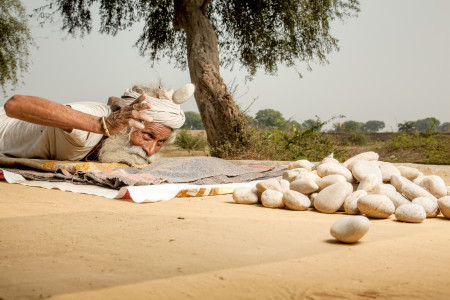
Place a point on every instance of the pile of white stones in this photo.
(361, 185)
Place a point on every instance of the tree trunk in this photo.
(223, 121)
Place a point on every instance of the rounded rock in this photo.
(363, 168)
(376, 206)
(444, 205)
(302, 163)
(329, 180)
(408, 172)
(331, 198)
(350, 229)
(387, 170)
(272, 199)
(269, 184)
(411, 213)
(332, 168)
(429, 205)
(351, 202)
(296, 201)
(305, 186)
(369, 182)
(370, 155)
(244, 195)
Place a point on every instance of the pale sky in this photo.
(393, 65)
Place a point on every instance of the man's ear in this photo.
(183, 94)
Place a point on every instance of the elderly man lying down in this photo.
(130, 129)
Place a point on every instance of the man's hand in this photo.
(130, 115)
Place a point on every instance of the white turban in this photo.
(163, 111)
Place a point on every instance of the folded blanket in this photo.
(194, 170)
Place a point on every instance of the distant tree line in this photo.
(270, 118)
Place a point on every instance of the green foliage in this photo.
(352, 126)
(15, 39)
(255, 34)
(358, 138)
(270, 118)
(189, 141)
(427, 125)
(419, 148)
(372, 126)
(444, 127)
(193, 121)
(407, 127)
(313, 124)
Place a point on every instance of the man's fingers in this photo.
(135, 124)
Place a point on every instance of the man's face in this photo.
(136, 148)
(151, 138)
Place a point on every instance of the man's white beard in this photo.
(119, 149)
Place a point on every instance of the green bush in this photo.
(190, 142)
(358, 138)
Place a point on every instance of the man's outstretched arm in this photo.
(41, 111)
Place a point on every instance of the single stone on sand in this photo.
(272, 199)
(431, 207)
(295, 200)
(244, 195)
(408, 172)
(411, 213)
(305, 186)
(269, 184)
(351, 202)
(331, 198)
(444, 205)
(350, 229)
(376, 206)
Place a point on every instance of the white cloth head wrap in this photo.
(163, 111)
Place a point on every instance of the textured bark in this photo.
(221, 117)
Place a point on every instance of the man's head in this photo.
(138, 147)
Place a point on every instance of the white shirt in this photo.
(26, 140)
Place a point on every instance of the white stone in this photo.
(330, 160)
(291, 175)
(411, 213)
(285, 185)
(376, 206)
(383, 187)
(434, 184)
(244, 195)
(269, 184)
(323, 182)
(312, 197)
(350, 229)
(296, 201)
(412, 190)
(305, 186)
(444, 205)
(351, 202)
(408, 172)
(331, 198)
(362, 168)
(431, 207)
(272, 199)
(302, 163)
(331, 168)
(396, 198)
(362, 156)
(387, 170)
(369, 182)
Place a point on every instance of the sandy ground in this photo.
(72, 246)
